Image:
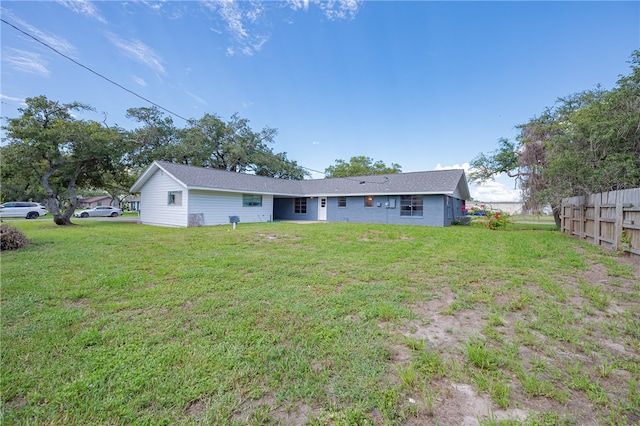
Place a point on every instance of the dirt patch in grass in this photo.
(438, 328)
(269, 237)
(569, 355)
(378, 235)
(275, 237)
(266, 410)
(195, 409)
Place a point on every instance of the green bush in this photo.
(497, 220)
(11, 238)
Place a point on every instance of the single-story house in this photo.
(134, 203)
(98, 200)
(180, 195)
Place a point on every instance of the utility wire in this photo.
(142, 97)
(92, 71)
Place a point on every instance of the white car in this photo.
(99, 211)
(24, 209)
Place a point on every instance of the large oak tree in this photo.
(360, 166)
(48, 145)
(586, 143)
(210, 142)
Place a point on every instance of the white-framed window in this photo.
(251, 200)
(411, 205)
(174, 198)
(342, 202)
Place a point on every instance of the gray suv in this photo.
(22, 209)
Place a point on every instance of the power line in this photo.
(140, 96)
(93, 71)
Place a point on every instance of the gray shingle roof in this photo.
(430, 182)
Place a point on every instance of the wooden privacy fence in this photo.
(608, 219)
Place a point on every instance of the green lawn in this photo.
(280, 323)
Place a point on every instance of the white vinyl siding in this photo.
(218, 206)
(153, 202)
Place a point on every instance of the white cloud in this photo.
(254, 13)
(494, 191)
(139, 51)
(332, 9)
(57, 43)
(243, 21)
(197, 99)
(170, 8)
(247, 22)
(155, 5)
(139, 80)
(232, 14)
(19, 101)
(83, 7)
(259, 42)
(464, 166)
(28, 62)
(298, 4)
(339, 9)
(501, 189)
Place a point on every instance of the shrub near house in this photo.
(494, 219)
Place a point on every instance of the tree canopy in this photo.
(234, 146)
(360, 166)
(61, 153)
(210, 142)
(588, 142)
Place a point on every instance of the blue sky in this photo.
(422, 84)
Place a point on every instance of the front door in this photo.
(322, 208)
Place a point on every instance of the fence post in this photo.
(571, 208)
(619, 221)
(596, 219)
(583, 220)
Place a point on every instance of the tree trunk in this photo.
(52, 201)
(65, 218)
(556, 215)
(60, 218)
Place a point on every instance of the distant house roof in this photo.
(448, 182)
(94, 198)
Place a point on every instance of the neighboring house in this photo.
(134, 203)
(179, 195)
(99, 200)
